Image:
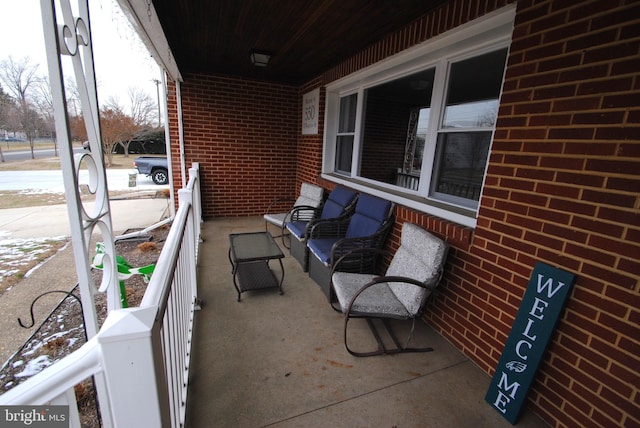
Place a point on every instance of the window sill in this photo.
(455, 214)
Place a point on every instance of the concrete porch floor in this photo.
(279, 360)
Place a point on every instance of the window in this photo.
(346, 132)
(464, 136)
(419, 131)
(396, 118)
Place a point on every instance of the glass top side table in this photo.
(249, 254)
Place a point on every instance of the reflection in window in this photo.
(479, 114)
(397, 114)
(461, 160)
(465, 134)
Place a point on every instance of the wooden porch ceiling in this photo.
(305, 38)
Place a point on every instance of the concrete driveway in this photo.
(53, 220)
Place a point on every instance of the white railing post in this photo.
(134, 374)
(185, 196)
(194, 174)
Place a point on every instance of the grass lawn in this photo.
(17, 199)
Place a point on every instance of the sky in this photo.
(121, 60)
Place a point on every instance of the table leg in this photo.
(234, 271)
(281, 277)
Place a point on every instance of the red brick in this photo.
(619, 84)
(576, 104)
(550, 120)
(602, 117)
(619, 133)
(556, 91)
(614, 166)
(613, 199)
(590, 148)
(582, 73)
(626, 100)
(613, 243)
(580, 179)
(608, 275)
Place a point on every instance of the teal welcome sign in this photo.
(530, 334)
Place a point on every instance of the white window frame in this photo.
(486, 34)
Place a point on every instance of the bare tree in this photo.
(74, 104)
(43, 100)
(5, 105)
(115, 126)
(19, 78)
(142, 114)
(74, 111)
(143, 108)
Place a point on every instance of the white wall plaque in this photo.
(310, 107)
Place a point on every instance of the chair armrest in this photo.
(349, 255)
(383, 279)
(345, 245)
(300, 213)
(303, 213)
(277, 202)
(328, 228)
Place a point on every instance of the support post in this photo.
(134, 372)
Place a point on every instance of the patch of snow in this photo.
(16, 253)
(36, 267)
(35, 366)
(61, 334)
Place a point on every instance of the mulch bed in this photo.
(63, 331)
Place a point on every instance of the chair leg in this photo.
(266, 229)
(382, 349)
(379, 351)
(285, 234)
(406, 347)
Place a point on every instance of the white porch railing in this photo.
(141, 354)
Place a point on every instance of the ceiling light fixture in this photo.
(260, 58)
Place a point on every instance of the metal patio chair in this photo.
(402, 293)
(339, 205)
(331, 239)
(306, 207)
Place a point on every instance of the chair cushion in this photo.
(371, 212)
(277, 219)
(321, 248)
(297, 229)
(420, 256)
(310, 195)
(377, 300)
(338, 200)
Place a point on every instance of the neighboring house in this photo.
(541, 165)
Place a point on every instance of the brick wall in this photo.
(563, 187)
(309, 149)
(243, 133)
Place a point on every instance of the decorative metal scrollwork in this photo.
(410, 145)
(72, 40)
